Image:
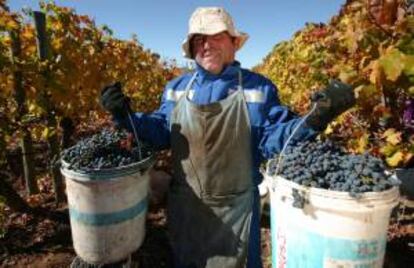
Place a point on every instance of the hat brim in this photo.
(242, 38)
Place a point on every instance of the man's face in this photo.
(213, 52)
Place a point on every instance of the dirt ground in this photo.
(43, 243)
(44, 240)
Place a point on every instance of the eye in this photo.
(198, 40)
(218, 37)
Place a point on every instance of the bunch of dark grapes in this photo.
(408, 115)
(322, 164)
(105, 150)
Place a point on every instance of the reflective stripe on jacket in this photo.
(271, 123)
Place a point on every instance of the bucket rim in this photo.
(107, 174)
(390, 194)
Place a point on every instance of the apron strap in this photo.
(187, 88)
(190, 83)
(240, 85)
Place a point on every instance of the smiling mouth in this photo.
(210, 55)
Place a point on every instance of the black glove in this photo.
(113, 100)
(331, 102)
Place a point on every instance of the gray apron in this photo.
(211, 197)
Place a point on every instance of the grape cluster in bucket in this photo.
(322, 164)
(105, 150)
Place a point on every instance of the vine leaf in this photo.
(376, 72)
(411, 91)
(409, 65)
(388, 150)
(392, 136)
(395, 159)
(363, 142)
(393, 63)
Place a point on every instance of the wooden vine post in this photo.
(19, 95)
(12, 199)
(45, 102)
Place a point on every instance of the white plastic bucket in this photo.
(107, 211)
(332, 230)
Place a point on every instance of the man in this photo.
(221, 122)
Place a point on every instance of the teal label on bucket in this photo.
(102, 219)
(295, 246)
(300, 248)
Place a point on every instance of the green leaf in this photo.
(409, 65)
(367, 95)
(392, 63)
(411, 79)
(363, 143)
(406, 44)
(395, 159)
(304, 53)
(45, 133)
(410, 23)
(411, 91)
(388, 150)
(348, 75)
(392, 136)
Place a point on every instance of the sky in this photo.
(161, 25)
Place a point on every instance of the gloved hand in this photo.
(113, 100)
(335, 99)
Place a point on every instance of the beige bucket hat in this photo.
(209, 21)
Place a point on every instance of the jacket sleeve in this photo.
(151, 127)
(279, 125)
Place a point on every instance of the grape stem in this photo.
(135, 134)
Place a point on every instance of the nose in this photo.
(207, 42)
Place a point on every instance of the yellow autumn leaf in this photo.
(329, 130)
(411, 91)
(45, 133)
(392, 63)
(32, 108)
(363, 143)
(11, 24)
(58, 26)
(392, 136)
(409, 65)
(376, 72)
(57, 43)
(394, 139)
(388, 150)
(27, 33)
(395, 159)
(348, 76)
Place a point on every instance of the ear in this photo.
(236, 42)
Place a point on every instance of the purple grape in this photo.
(408, 115)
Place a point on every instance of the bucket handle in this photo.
(282, 153)
(135, 133)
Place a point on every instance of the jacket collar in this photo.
(230, 72)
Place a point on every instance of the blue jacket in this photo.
(271, 123)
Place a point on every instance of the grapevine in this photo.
(84, 57)
(372, 49)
